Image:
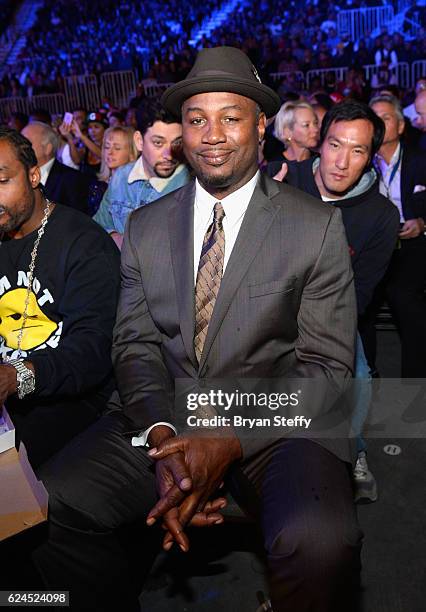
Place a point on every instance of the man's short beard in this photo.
(19, 218)
(216, 182)
(15, 221)
(162, 175)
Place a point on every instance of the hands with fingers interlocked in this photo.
(189, 470)
(412, 228)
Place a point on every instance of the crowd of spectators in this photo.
(71, 38)
(85, 137)
(7, 10)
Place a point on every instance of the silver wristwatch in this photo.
(24, 376)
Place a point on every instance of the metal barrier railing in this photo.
(358, 23)
(118, 87)
(13, 105)
(82, 91)
(56, 104)
(280, 76)
(401, 71)
(418, 71)
(339, 74)
(156, 89)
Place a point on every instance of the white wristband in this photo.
(142, 438)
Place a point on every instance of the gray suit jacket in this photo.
(286, 305)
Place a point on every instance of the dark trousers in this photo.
(46, 426)
(403, 287)
(302, 497)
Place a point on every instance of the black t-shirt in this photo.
(371, 222)
(72, 305)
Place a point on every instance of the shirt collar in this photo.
(45, 170)
(138, 173)
(234, 205)
(394, 157)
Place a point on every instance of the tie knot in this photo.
(218, 214)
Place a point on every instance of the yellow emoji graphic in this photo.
(38, 327)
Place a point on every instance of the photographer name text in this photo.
(250, 423)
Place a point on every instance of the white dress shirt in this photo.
(235, 206)
(391, 191)
(45, 170)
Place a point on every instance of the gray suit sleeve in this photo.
(144, 384)
(326, 329)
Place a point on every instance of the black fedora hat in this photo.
(222, 69)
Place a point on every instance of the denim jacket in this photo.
(130, 189)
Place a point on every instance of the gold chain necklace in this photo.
(31, 277)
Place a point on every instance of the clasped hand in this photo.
(203, 460)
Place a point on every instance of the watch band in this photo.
(19, 365)
(24, 376)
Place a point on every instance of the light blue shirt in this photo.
(129, 189)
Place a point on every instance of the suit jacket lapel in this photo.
(52, 180)
(405, 183)
(181, 234)
(256, 223)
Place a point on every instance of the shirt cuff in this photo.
(142, 438)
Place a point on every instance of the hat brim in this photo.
(173, 98)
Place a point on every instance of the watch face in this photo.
(26, 385)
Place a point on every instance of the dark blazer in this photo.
(286, 304)
(67, 186)
(413, 173)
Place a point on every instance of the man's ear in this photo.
(401, 127)
(138, 140)
(34, 176)
(261, 126)
(48, 149)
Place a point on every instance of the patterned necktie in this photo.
(209, 276)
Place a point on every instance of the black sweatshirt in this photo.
(72, 308)
(371, 222)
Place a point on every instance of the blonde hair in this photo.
(286, 117)
(105, 173)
